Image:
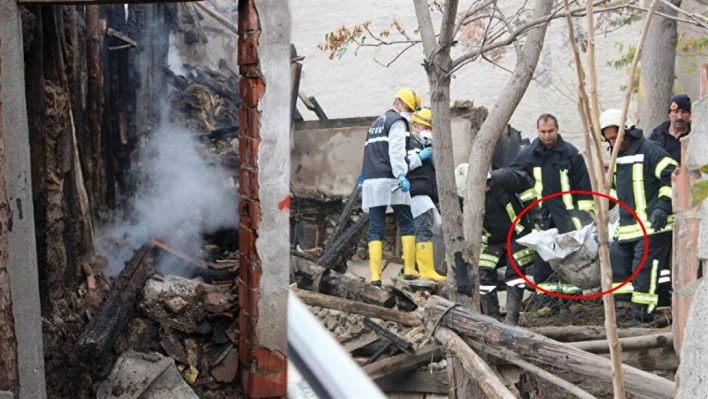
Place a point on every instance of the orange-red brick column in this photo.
(263, 371)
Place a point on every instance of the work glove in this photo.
(360, 183)
(658, 219)
(535, 218)
(426, 154)
(404, 183)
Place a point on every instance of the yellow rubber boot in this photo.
(408, 247)
(426, 262)
(375, 259)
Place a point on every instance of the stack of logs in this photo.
(405, 351)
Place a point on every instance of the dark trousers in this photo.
(377, 221)
(424, 226)
(654, 278)
(493, 257)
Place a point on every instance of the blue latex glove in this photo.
(427, 153)
(405, 184)
(361, 179)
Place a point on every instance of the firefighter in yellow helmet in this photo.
(424, 192)
(384, 183)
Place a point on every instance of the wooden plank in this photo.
(121, 36)
(404, 362)
(347, 305)
(628, 344)
(540, 349)
(590, 333)
(415, 382)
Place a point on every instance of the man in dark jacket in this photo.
(642, 180)
(556, 166)
(502, 203)
(669, 133)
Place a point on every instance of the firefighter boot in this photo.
(490, 304)
(408, 249)
(514, 296)
(375, 258)
(638, 316)
(426, 262)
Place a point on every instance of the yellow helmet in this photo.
(410, 97)
(423, 117)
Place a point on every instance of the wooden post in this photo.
(704, 80)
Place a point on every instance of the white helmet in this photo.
(613, 117)
(461, 178)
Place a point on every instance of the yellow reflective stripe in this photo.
(488, 257)
(523, 252)
(528, 195)
(626, 289)
(512, 216)
(562, 288)
(526, 260)
(666, 192)
(640, 201)
(645, 298)
(613, 193)
(586, 205)
(632, 231)
(488, 264)
(565, 186)
(538, 186)
(665, 162)
(653, 278)
(577, 224)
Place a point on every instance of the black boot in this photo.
(490, 304)
(638, 315)
(514, 296)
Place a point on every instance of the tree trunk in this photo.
(9, 377)
(492, 129)
(658, 62)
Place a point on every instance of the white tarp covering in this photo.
(573, 255)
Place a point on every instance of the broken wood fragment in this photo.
(342, 286)
(479, 370)
(218, 17)
(352, 200)
(541, 349)
(121, 36)
(179, 254)
(102, 331)
(628, 344)
(590, 333)
(346, 305)
(404, 362)
(401, 343)
(338, 249)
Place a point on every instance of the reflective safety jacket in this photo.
(503, 203)
(642, 180)
(377, 160)
(557, 169)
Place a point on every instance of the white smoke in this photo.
(180, 196)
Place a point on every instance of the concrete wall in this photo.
(264, 62)
(357, 86)
(21, 236)
(327, 155)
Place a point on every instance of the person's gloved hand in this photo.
(536, 219)
(427, 153)
(361, 179)
(658, 219)
(405, 184)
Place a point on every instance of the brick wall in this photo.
(263, 370)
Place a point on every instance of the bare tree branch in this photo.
(425, 25)
(474, 9)
(577, 12)
(517, 45)
(447, 26)
(397, 56)
(693, 22)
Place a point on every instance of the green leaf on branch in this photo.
(704, 169)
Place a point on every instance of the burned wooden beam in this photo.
(223, 131)
(405, 362)
(337, 284)
(346, 213)
(104, 328)
(121, 36)
(538, 348)
(346, 305)
(401, 343)
(415, 382)
(344, 243)
(590, 333)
